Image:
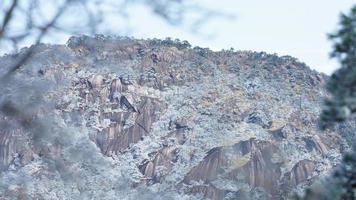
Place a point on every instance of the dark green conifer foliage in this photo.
(342, 84)
(341, 185)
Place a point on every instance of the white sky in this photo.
(287, 27)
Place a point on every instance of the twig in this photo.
(44, 30)
(7, 18)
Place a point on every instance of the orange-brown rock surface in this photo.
(118, 118)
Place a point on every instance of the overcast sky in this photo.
(287, 27)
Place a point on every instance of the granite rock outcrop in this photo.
(120, 118)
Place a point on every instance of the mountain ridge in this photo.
(173, 121)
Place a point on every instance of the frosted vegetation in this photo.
(196, 102)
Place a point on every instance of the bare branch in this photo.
(7, 18)
(43, 32)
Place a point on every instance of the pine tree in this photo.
(342, 84)
(341, 185)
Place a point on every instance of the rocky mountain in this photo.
(120, 118)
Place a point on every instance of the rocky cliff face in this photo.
(118, 118)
